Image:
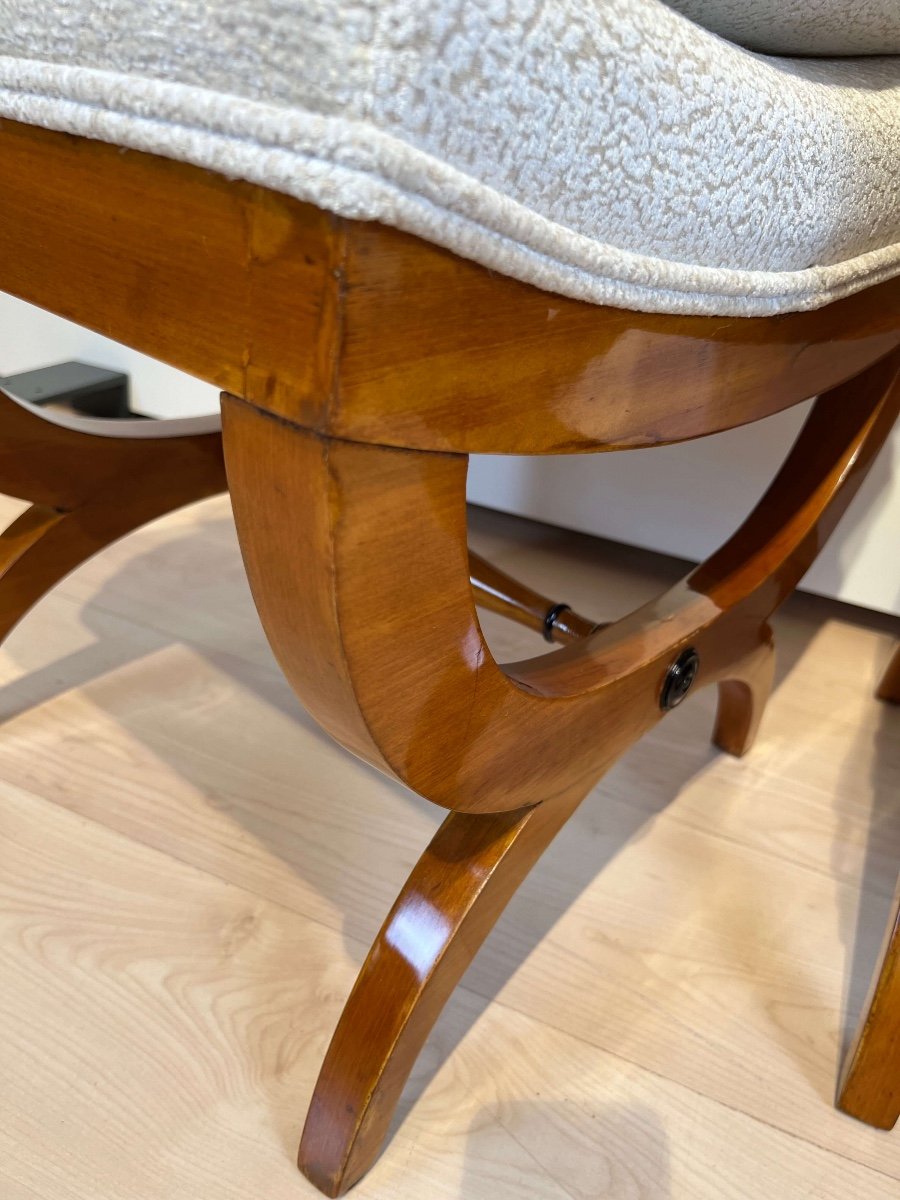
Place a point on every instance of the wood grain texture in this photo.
(87, 491)
(364, 332)
(421, 697)
(398, 670)
(440, 354)
(658, 1013)
(366, 365)
(63, 468)
(227, 281)
(446, 909)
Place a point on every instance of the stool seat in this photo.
(615, 152)
(268, 195)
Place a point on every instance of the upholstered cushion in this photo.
(613, 151)
(801, 26)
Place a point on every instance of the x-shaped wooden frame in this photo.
(362, 366)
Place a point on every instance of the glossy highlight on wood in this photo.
(550, 1038)
(367, 333)
(554, 620)
(457, 720)
(459, 724)
(363, 366)
(447, 907)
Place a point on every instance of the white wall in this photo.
(30, 337)
(686, 499)
(682, 500)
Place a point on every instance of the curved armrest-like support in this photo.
(762, 563)
(358, 561)
(346, 338)
(412, 686)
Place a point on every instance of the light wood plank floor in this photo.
(190, 873)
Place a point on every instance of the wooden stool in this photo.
(360, 367)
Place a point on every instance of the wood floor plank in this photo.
(687, 951)
(163, 1029)
(708, 921)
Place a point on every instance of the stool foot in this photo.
(449, 904)
(870, 1084)
(743, 698)
(358, 560)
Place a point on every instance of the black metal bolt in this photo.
(679, 677)
(551, 617)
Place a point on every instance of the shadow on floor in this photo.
(863, 924)
(87, 665)
(563, 1150)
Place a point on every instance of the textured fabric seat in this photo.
(616, 152)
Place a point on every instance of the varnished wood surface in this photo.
(222, 279)
(440, 354)
(191, 874)
(86, 492)
(370, 334)
(410, 685)
(342, 358)
(398, 670)
(64, 468)
(743, 698)
(447, 907)
(497, 591)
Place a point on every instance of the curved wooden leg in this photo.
(41, 546)
(742, 698)
(456, 892)
(357, 559)
(870, 1083)
(889, 688)
(87, 491)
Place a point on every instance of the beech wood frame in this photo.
(361, 366)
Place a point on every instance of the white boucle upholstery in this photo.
(825, 27)
(610, 150)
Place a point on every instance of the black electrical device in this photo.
(80, 387)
